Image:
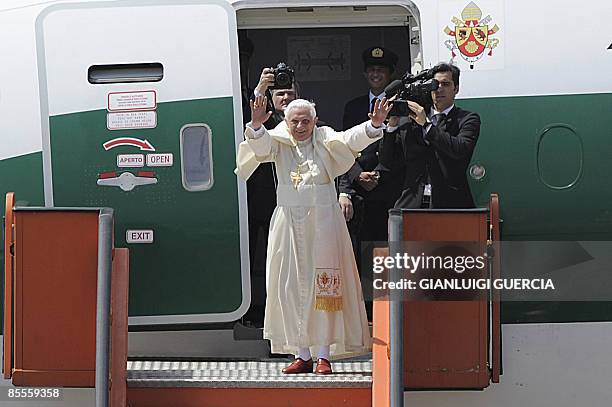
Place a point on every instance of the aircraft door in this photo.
(143, 115)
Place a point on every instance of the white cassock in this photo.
(314, 295)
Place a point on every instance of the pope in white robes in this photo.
(314, 297)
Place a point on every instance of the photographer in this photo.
(433, 145)
(279, 98)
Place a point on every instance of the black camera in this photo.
(416, 88)
(283, 77)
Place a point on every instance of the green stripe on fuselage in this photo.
(532, 168)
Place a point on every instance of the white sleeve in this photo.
(374, 132)
(261, 143)
(253, 133)
(359, 137)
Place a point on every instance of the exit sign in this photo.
(139, 236)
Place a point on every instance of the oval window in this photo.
(560, 156)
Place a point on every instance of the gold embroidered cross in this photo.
(296, 177)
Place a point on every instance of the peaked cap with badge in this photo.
(379, 56)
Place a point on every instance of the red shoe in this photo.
(299, 365)
(323, 367)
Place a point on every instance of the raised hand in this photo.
(259, 115)
(380, 112)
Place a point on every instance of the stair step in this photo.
(244, 374)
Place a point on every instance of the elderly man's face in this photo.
(282, 97)
(301, 124)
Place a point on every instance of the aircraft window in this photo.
(125, 73)
(196, 157)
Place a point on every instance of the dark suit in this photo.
(442, 156)
(356, 111)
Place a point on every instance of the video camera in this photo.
(416, 88)
(283, 77)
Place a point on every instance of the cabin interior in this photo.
(324, 46)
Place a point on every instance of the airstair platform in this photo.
(244, 374)
(154, 383)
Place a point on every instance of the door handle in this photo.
(126, 180)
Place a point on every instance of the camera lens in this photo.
(283, 79)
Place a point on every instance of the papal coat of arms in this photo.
(328, 290)
(471, 35)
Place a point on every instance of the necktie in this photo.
(372, 104)
(439, 118)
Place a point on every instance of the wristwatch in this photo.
(345, 195)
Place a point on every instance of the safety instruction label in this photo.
(160, 160)
(139, 100)
(131, 120)
(130, 160)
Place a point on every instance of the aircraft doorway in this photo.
(324, 47)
